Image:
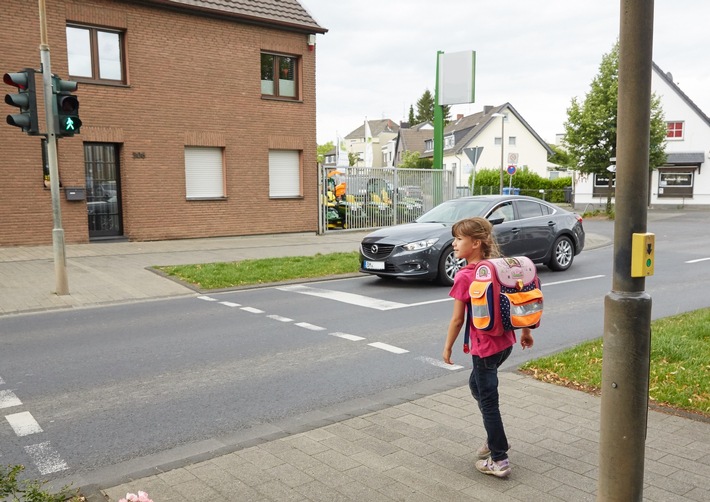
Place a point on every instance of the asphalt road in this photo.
(122, 386)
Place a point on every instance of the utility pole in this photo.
(627, 308)
(60, 261)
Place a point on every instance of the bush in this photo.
(488, 182)
(27, 490)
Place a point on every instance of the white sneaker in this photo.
(500, 469)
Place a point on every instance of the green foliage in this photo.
(591, 126)
(413, 160)
(560, 156)
(488, 182)
(425, 109)
(248, 272)
(13, 489)
(322, 150)
(679, 372)
(410, 119)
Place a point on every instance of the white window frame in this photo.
(682, 130)
(285, 174)
(204, 173)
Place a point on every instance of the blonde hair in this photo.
(479, 229)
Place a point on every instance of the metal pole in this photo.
(627, 314)
(60, 261)
(502, 149)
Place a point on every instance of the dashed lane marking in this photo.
(310, 326)
(438, 363)
(230, 304)
(340, 296)
(573, 280)
(207, 298)
(46, 458)
(388, 348)
(252, 310)
(346, 336)
(279, 318)
(2, 381)
(23, 423)
(698, 260)
(8, 399)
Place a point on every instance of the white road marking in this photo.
(279, 318)
(46, 458)
(352, 338)
(339, 296)
(1, 381)
(698, 260)
(571, 280)
(439, 364)
(252, 310)
(8, 399)
(207, 298)
(23, 423)
(388, 348)
(310, 326)
(230, 304)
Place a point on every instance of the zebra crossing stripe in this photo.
(23, 423)
(8, 399)
(46, 458)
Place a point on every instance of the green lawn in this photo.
(680, 363)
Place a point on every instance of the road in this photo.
(108, 391)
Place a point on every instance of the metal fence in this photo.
(361, 198)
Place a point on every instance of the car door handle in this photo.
(550, 223)
(515, 230)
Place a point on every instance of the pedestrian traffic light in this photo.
(25, 99)
(66, 107)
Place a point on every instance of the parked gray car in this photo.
(523, 226)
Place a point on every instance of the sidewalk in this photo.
(397, 447)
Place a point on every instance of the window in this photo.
(675, 183)
(497, 141)
(675, 130)
(504, 211)
(284, 173)
(428, 145)
(204, 173)
(511, 140)
(529, 209)
(95, 54)
(449, 142)
(279, 76)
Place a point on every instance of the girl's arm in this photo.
(457, 319)
(526, 339)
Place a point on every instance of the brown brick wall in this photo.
(192, 81)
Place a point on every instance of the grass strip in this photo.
(680, 363)
(261, 271)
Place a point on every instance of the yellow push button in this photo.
(643, 248)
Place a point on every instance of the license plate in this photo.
(375, 265)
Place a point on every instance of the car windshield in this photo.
(454, 210)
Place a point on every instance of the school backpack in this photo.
(505, 295)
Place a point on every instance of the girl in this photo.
(474, 241)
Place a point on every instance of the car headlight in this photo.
(418, 245)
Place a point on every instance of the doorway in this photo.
(103, 190)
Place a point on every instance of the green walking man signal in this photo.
(66, 107)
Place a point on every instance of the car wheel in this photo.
(448, 266)
(562, 254)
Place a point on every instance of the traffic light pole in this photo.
(60, 261)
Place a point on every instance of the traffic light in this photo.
(66, 107)
(25, 99)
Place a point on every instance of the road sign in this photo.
(511, 170)
(473, 154)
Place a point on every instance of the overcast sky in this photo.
(379, 56)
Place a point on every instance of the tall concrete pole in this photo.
(627, 317)
(502, 151)
(60, 261)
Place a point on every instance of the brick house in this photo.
(199, 120)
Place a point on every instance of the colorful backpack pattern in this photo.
(505, 295)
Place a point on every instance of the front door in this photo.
(103, 190)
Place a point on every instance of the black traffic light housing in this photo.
(25, 99)
(66, 107)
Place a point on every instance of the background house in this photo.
(522, 146)
(383, 131)
(198, 120)
(682, 179)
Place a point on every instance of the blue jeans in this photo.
(483, 383)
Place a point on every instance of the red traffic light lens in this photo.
(18, 80)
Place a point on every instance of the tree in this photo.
(411, 116)
(412, 160)
(560, 156)
(425, 109)
(590, 130)
(321, 150)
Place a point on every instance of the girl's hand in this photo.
(447, 355)
(526, 339)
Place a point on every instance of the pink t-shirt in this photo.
(481, 344)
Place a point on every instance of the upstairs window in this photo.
(675, 130)
(95, 54)
(279, 76)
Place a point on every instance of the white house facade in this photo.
(684, 180)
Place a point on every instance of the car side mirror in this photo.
(496, 221)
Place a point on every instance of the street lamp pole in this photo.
(502, 147)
